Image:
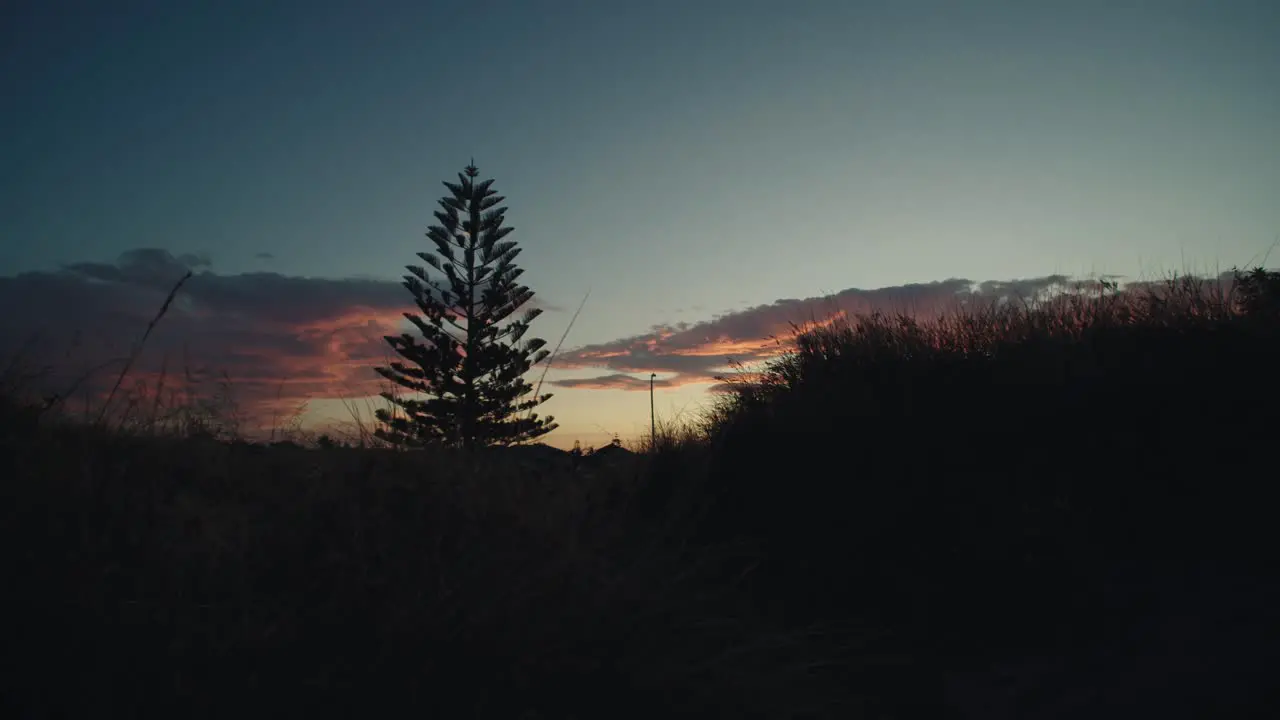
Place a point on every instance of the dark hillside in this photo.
(1061, 511)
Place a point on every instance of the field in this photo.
(1032, 511)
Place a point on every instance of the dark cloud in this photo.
(283, 339)
(617, 381)
(279, 339)
(698, 353)
(147, 267)
(266, 296)
(265, 256)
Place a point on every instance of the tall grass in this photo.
(895, 498)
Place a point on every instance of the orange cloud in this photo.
(277, 341)
(697, 353)
(271, 341)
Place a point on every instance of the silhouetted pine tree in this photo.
(471, 367)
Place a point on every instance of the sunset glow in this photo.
(704, 179)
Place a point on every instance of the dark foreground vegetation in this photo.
(1056, 511)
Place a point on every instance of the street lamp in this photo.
(653, 423)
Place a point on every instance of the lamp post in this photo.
(653, 423)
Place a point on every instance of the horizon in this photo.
(707, 177)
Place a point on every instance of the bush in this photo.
(1003, 458)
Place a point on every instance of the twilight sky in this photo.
(708, 169)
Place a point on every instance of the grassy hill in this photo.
(1048, 510)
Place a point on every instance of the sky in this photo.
(707, 171)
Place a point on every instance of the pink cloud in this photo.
(282, 340)
(697, 353)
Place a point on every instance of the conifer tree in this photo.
(467, 377)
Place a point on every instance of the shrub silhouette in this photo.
(966, 478)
